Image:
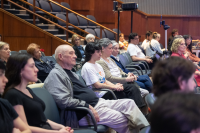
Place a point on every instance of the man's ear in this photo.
(60, 57)
(181, 83)
(103, 49)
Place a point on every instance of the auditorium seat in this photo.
(65, 5)
(23, 51)
(13, 52)
(61, 16)
(91, 24)
(109, 35)
(73, 20)
(145, 130)
(56, 8)
(91, 31)
(150, 100)
(52, 112)
(45, 6)
(36, 4)
(116, 30)
(83, 24)
(97, 30)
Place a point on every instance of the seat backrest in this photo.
(55, 8)
(45, 5)
(36, 4)
(65, 5)
(91, 31)
(123, 60)
(13, 52)
(128, 57)
(109, 34)
(54, 56)
(115, 30)
(50, 58)
(92, 18)
(51, 111)
(150, 100)
(62, 16)
(73, 19)
(23, 51)
(97, 30)
(82, 21)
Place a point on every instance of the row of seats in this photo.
(105, 33)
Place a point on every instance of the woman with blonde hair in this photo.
(4, 52)
(178, 49)
(79, 51)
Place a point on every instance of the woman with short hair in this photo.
(4, 51)
(21, 70)
(179, 49)
(9, 119)
(79, 51)
(94, 76)
(90, 38)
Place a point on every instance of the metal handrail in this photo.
(82, 16)
(45, 19)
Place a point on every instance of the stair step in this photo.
(31, 21)
(46, 26)
(61, 36)
(16, 11)
(5, 6)
(23, 16)
(52, 31)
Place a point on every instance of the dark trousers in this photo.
(131, 91)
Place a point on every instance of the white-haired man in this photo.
(121, 115)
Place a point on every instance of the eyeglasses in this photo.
(77, 39)
(136, 38)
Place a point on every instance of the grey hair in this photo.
(114, 43)
(104, 42)
(89, 36)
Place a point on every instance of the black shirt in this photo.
(81, 91)
(7, 115)
(33, 107)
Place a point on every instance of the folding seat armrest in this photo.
(134, 69)
(128, 67)
(141, 64)
(88, 111)
(113, 94)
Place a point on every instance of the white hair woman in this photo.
(90, 38)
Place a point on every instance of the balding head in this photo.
(65, 56)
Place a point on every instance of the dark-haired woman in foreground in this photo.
(21, 70)
(9, 119)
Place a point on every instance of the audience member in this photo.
(122, 115)
(4, 52)
(173, 74)
(146, 41)
(188, 42)
(79, 51)
(135, 52)
(176, 112)
(90, 38)
(154, 47)
(123, 44)
(21, 70)
(178, 49)
(43, 64)
(94, 76)
(173, 34)
(143, 80)
(112, 72)
(9, 119)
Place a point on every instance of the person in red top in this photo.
(179, 49)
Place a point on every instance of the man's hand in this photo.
(186, 54)
(149, 60)
(94, 112)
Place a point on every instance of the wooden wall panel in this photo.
(19, 34)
